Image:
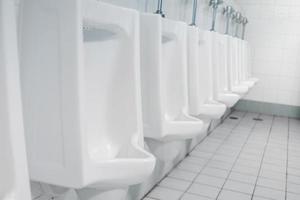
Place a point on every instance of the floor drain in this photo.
(258, 119)
(233, 117)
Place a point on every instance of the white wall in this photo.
(274, 33)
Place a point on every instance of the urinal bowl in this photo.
(229, 99)
(212, 110)
(81, 91)
(241, 90)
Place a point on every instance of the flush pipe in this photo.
(244, 22)
(214, 4)
(160, 8)
(228, 11)
(233, 19)
(238, 21)
(194, 16)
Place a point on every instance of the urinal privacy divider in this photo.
(14, 179)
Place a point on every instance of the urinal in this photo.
(210, 43)
(200, 87)
(234, 68)
(247, 79)
(242, 65)
(164, 83)
(220, 70)
(14, 180)
(164, 87)
(81, 90)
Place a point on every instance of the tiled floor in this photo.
(242, 159)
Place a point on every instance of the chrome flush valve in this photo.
(244, 22)
(160, 8)
(238, 21)
(214, 4)
(228, 11)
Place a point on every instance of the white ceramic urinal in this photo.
(234, 65)
(220, 71)
(247, 75)
(164, 83)
(200, 102)
(81, 90)
(14, 180)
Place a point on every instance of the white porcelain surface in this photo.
(209, 51)
(14, 180)
(200, 86)
(81, 92)
(234, 67)
(247, 78)
(164, 80)
(220, 67)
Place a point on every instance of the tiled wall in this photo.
(274, 34)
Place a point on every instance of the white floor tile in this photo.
(231, 195)
(239, 187)
(204, 190)
(175, 184)
(235, 176)
(269, 193)
(259, 198)
(210, 180)
(215, 172)
(182, 174)
(292, 196)
(187, 196)
(165, 194)
(190, 167)
(294, 179)
(272, 175)
(271, 183)
(293, 188)
(246, 170)
(201, 154)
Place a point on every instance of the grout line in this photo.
(287, 160)
(242, 147)
(265, 147)
(193, 181)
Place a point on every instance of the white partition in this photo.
(14, 180)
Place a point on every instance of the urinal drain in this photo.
(258, 119)
(233, 118)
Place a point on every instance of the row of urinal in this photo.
(94, 85)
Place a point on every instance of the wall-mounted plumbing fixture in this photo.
(194, 16)
(244, 22)
(232, 21)
(214, 4)
(238, 21)
(228, 11)
(160, 8)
